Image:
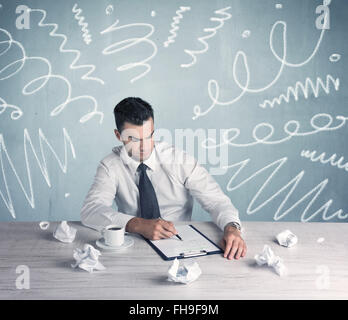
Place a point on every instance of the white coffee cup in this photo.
(113, 235)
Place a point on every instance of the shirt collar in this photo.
(133, 164)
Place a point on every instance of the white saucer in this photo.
(128, 242)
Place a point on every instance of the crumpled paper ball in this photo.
(286, 238)
(187, 273)
(64, 232)
(87, 259)
(268, 257)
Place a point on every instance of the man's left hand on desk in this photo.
(233, 244)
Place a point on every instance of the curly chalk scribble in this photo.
(87, 38)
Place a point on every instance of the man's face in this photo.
(138, 140)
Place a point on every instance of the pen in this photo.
(179, 237)
(176, 234)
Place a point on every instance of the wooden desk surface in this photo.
(139, 273)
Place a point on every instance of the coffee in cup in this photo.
(113, 235)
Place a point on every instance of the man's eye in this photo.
(150, 136)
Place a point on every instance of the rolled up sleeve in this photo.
(97, 211)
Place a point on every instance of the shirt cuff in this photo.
(234, 224)
(226, 217)
(121, 219)
(101, 220)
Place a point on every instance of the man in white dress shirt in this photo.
(176, 177)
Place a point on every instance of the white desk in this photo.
(139, 273)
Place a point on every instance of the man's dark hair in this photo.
(133, 110)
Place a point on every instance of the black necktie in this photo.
(149, 208)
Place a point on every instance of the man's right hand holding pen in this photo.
(152, 229)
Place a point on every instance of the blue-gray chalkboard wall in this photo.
(255, 90)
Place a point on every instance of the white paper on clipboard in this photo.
(193, 242)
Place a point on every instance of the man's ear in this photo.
(118, 135)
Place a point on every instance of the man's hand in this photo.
(153, 229)
(233, 244)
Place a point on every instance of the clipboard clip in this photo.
(193, 253)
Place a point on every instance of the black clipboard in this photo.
(190, 254)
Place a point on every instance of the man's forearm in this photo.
(134, 224)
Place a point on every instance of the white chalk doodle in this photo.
(246, 34)
(291, 186)
(41, 163)
(125, 44)
(15, 114)
(39, 82)
(175, 25)
(87, 38)
(299, 64)
(213, 86)
(62, 48)
(312, 156)
(320, 122)
(335, 57)
(279, 6)
(317, 123)
(153, 13)
(109, 9)
(212, 31)
(305, 89)
(66, 195)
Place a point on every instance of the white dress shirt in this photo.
(176, 177)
